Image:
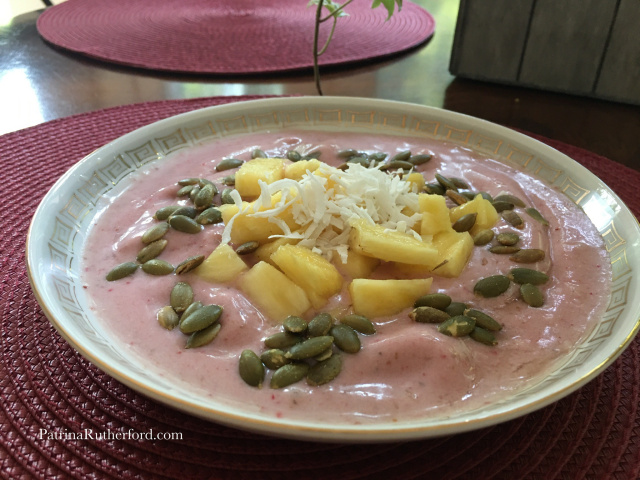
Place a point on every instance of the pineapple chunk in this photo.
(264, 252)
(357, 265)
(379, 298)
(487, 215)
(267, 169)
(417, 181)
(272, 292)
(435, 214)
(297, 170)
(309, 270)
(222, 266)
(375, 241)
(454, 247)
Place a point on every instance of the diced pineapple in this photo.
(435, 214)
(272, 292)
(264, 252)
(318, 277)
(357, 265)
(222, 266)
(417, 181)
(487, 215)
(379, 298)
(297, 170)
(267, 169)
(454, 247)
(375, 241)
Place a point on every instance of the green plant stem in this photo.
(316, 34)
(337, 10)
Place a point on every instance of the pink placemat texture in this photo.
(227, 36)
(45, 385)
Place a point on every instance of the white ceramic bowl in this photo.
(59, 227)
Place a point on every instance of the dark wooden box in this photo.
(581, 47)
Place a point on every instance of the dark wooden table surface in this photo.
(40, 83)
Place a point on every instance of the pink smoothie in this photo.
(406, 370)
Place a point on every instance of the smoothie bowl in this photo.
(338, 269)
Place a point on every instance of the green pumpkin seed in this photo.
(229, 180)
(428, 315)
(513, 218)
(483, 336)
(228, 164)
(457, 326)
(502, 206)
(324, 355)
(487, 197)
(504, 249)
(152, 250)
(483, 237)
(345, 338)
(257, 153)
(312, 155)
(348, 153)
(527, 275)
(528, 255)
(359, 323)
(189, 181)
(168, 318)
(456, 197)
(204, 182)
(181, 297)
(364, 161)
(435, 300)
(491, 286)
(185, 211)
(419, 159)
(309, 348)
(166, 212)
(483, 320)
(294, 324)
(157, 267)
(203, 337)
(434, 189)
(185, 191)
(184, 224)
(155, 233)
(446, 183)
(192, 308)
(200, 319)
(396, 164)
(282, 340)
(204, 198)
(288, 375)
(194, 192)
(531, 295)
(377, 157)
(507, 197)
(508, 238)
(209, 216)
(320, 325)
(465, 222)
(401, 156)
(274, 358)
(536, 215)
(251, 368)
(456, 308)
(189, 264)
(226, 198)
(324, 371)
(459, 183)
(294, 156)
(247, 248)
(121, 271)
(469, 195)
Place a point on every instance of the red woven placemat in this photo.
(45, 385)
(227, 36)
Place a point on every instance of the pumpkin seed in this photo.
(504, 249)
(365, 162)
(155, 233)
(156, 266)
(446, 183)
(491, 286)
(312, 155)
(531, 295)
(457, 326)
(184, 224)
(189, 181)
(204, 336)
(486, 196)
(194, 192)
(200, 319)
(377, 156)
(396, 164)
(189, 264)
(419, 159)
(248, 247)
(483, 320)
(469, 195)
(513, 218)
(167, 318)
(507, 197)
(181, 297)
(527, 275)
(229, 180)
(435, 300)
(274, 358)
(209, 216)
(257, 153)
(320, 325)
(460, 183)
(251, 368)
(294, 156)
(121, 271)
(359, 323)
(508, 238)
(166, 212)
(226, 198)
(457, 198)
(483, 336)
(288, 375)
(483, 237)
(204, 182)
(192, 308)
(348, 153)
(309, 348)
(324, 355)
(294, 324)
(282, 340)
(228, 164)
(536, 215)
(185, 211)
(434, 189)
(345, 338)
(401, 156)
(502, 206)
(324, 371)
(456, 308)
(528, 255)
(428, 315)
(185, 191)
(465, 222)
(204, 198)
(151, 251)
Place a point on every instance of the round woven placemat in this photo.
(227, 36)
(47, 388)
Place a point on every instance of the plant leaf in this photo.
(331, 6)
(388, 4)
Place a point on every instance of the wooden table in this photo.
(39, 83)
